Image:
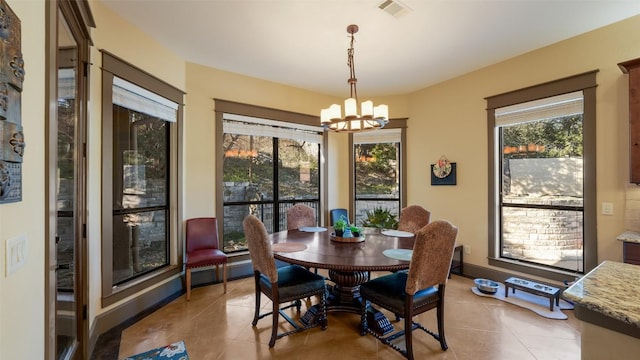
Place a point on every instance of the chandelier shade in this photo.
(370, 116)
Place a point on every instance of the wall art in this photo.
(443, 172)
(12, 73)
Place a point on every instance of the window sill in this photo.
(530, 269)
(135, 286)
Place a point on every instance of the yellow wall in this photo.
(446, 119)
(125, 41)
(450, 119)
(22, 328)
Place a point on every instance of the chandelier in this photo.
(370, 117)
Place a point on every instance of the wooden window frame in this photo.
(585, 82)
(114, 66)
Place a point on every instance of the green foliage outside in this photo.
(380, 218)
(250, 159)
(375, 168)
(561, 137)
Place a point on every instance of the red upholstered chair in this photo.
(420, 289)
(202, 249)
(413, 218)
(300, 215)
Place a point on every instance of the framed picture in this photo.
(443, 175)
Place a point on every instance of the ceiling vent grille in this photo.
(394, 8)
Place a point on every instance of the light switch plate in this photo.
(607, 208)
(15, 253)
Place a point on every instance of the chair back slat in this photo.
(260, 247)
(432, 255)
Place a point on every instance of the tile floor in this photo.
(218, 326)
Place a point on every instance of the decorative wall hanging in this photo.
(11, 78)
(443, 172)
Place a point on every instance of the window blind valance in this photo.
(547, 108)
(246, 125)
(136, 98)
(378, 136)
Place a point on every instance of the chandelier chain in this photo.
(352, 71)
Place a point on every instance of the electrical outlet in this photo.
(15, 253)
(467, 249)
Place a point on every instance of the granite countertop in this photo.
(629, 236)
(611, 289)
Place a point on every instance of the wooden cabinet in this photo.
(631, 253)
(632, 67)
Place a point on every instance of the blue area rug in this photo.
(175, 351)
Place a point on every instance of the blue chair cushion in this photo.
(295, 281)
(389, 292)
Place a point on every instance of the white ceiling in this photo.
(303, 43)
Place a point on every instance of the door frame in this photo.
(78, 16)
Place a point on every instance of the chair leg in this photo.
(408, 336)
(256, 315)
(324, 320)
(274, 325)
(217, 272)
(440, 319)
(188, 283)
(224, 275)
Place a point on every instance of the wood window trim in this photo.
(400, 123)
(585, 82)
(231, 107)
(114, 66)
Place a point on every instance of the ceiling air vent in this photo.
(394, 8)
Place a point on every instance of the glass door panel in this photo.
(66, 191)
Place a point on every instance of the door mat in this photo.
(175, 351)
(537, 304)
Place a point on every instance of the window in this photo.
(377, 173)
(543, 179)
(267, 166)
(141, 115)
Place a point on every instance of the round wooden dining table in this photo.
(349, 263)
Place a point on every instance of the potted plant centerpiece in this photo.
(340, 225)
(355, 230)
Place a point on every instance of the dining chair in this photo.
(203, 250)
(300, 215)
(408, 294)
(336, 214)
(413, 218)
(287, 284)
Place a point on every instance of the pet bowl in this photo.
(486, 286)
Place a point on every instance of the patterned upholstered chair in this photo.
(300, 215)
(336, 214)
(421, 289)
(413, 218)
(283, 285)
(202, 249)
